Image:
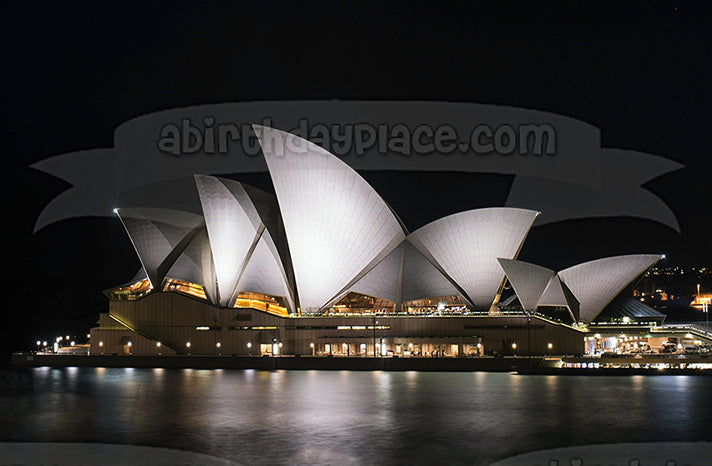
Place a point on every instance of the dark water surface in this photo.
(259, 417)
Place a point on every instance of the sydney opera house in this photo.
(325, 267)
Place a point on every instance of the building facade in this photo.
(326, 268)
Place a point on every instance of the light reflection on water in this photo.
(340, 417)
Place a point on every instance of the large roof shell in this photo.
(597, 282)
(465, 246)
(337, 226)
(159, 237)
(528, 280)
(240, 222)
(234, 227)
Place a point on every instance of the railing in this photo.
(700, 329)
(143, 333)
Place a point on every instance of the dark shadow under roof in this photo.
(628, 307)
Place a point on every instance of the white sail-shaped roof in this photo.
(528, 280)
(234, 227)
(558, 294)
(195, 265)
(384, 280)
(336, 225)
(466, 246)
(597, 282)
(159, 236)
(264, 272)
(421, 279)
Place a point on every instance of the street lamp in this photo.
(38, 345)
(249, 347)
(217, 347)
(707, 319)
(375, 322)
(311, 345)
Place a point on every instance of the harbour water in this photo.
(342, 417)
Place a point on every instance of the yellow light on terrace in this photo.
(187, 344)
(549, 346)
(514, 346)
(101, 343)
(158, 344)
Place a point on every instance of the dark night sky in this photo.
(72, 74)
